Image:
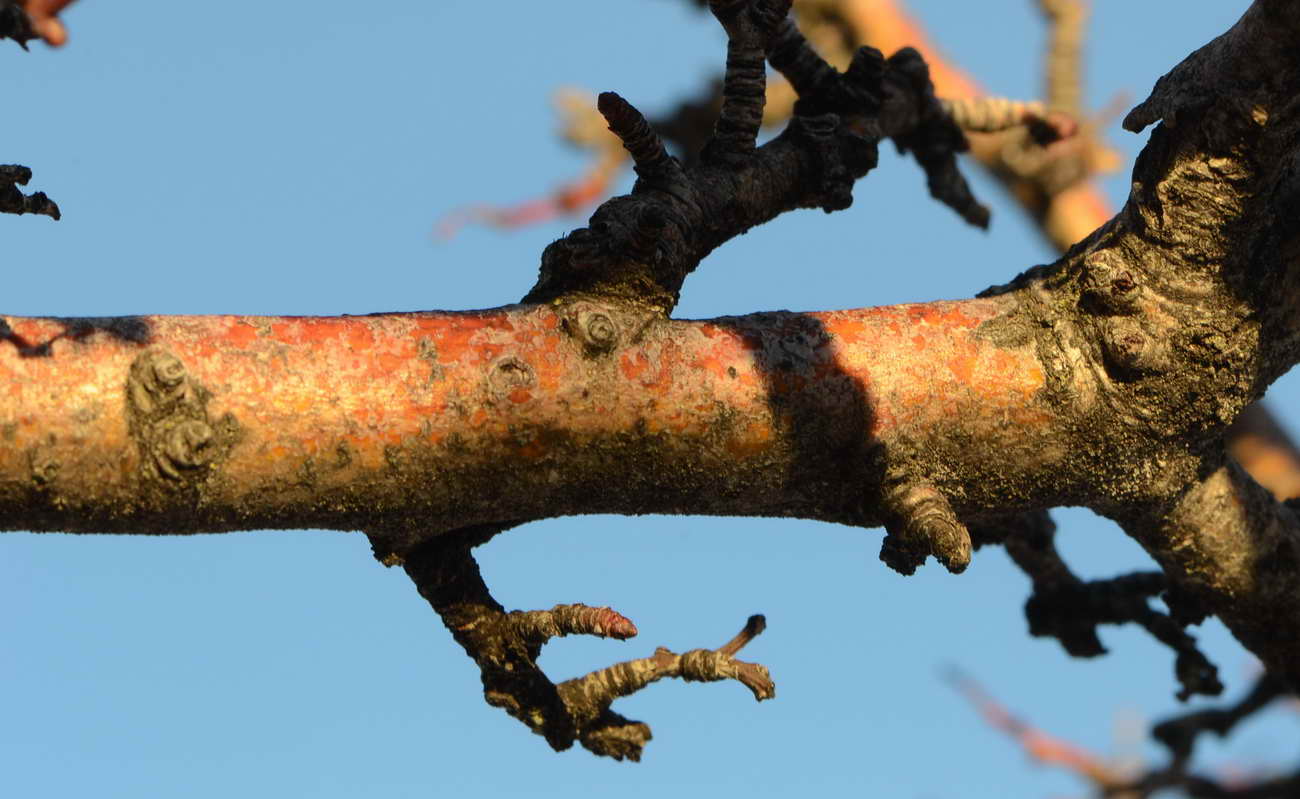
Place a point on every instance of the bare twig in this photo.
(24, 20)
(1178, 734)
(1039, 745)
(13, 201)
(506, 647)
(1069, 609)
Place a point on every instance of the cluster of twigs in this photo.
(1179, 735)
(23, 21)
(506, 646)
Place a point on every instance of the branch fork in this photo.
(640, 247)
(506, 647)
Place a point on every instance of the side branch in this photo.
(13, 201)
(1069, 609)
(506, 647)
(1236, 551)
(1179, 734)
(678, 215)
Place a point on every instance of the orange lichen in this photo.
(962, 365)
(387, 362)
(634, 365)
(301, 388)
(240, 334)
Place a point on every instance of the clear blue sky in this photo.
(292, 158)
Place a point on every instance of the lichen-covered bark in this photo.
(418, 423)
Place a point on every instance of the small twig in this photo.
(749, 27)
(13, 201)
(998, 114)
(920, 522)
(1069, 609)
(24, 20)
(1064, 69)
(1179, 734)
(649, 156)
(607, 733)
(506, 647)
(1041, 746)
(539, 626)
(754, 627)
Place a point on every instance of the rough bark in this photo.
(1106, 379)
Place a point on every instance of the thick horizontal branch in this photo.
(429, 422)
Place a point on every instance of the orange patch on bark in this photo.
(389, 363)
(241, 334)
(359, 336)
(962, 366)
(634, 364)
(711, 364)
(455, 338)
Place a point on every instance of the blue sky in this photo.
(294, 161)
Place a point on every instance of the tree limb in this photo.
(1106, 379)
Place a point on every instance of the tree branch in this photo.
(687, 212)
(1179, 734)
(13, 201)
(1064, 607)
(1105, 380)
(506, 647)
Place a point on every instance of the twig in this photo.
(13, 201)
(506, 647)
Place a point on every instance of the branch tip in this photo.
(539, 626)
(921, 523)
(754, 627)
(751, 27)
(24, 20)
(649, 156)
(867, 67)
(13, 201)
